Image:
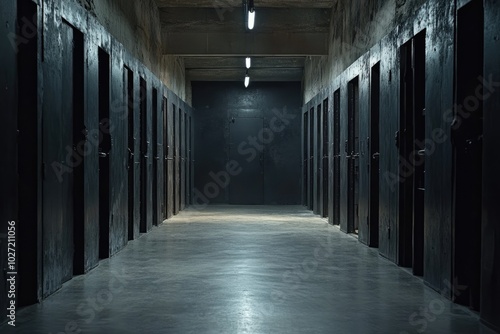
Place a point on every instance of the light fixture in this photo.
(249, 62)
(251, 15)
(247, 80)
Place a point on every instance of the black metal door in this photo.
(129, 77)
(311, 160)
(305, 159)
(70, 160)
(248, 186)
(318, 161)
(182, 159)
(374, 168)
(104, 151)
(189, 162)
(155, 158)
(28, 162)
(325, 167)
(8, 137)
(467, 132)
(144, 156)
(490, 236)
(316, 186)
(418, 64)
(352, 150)
(404, 142)
(165, 158)
(79, 140)
(336, 159)
(177, 171)
(410, 141)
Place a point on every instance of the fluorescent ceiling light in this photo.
(247, 80)
(251, 18)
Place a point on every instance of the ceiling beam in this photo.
(260, 74)
(268, 20)
(239, 62)
(265, 44)
(238, 3)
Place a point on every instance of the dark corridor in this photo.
(365, 140)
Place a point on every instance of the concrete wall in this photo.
(173, 75)
(136, 24)
(355, 27)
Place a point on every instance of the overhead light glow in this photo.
(247, 80)
(251, 18)
(249, 62)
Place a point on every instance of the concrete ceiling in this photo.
(238, 3)
(212, 38)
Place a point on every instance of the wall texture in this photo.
(356, 26)
(136, 24)
(173, 75)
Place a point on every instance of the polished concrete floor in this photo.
(234, 269)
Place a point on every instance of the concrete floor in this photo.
(234, 269)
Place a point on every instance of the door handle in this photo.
(102, 155)
(375, 156)
(421, 152)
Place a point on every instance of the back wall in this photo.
(247, 143)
